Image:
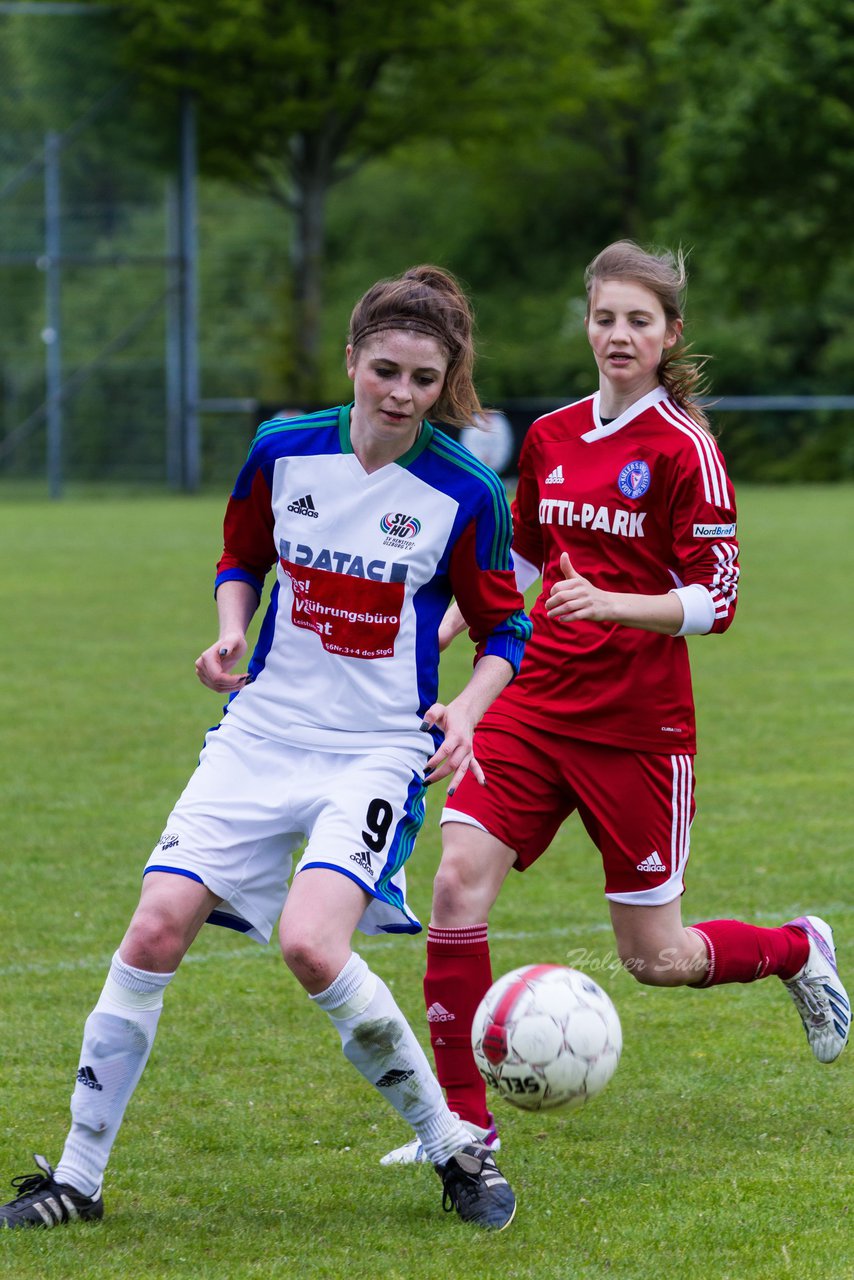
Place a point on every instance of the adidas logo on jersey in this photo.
(87, 1076)
(556, 476)
(652, 863)
(362, 860)
(304, 507)
(437, 1013)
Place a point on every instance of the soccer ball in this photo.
(546, 1036)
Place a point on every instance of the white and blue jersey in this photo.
(366, 564)
(323, 746)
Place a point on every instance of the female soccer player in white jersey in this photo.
(625, 507)
(373, 521)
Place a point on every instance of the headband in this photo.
(418, 324)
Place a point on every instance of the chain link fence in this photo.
(99, 376)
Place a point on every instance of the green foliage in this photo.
(341, 142)
(720, 1150)
(761, 156)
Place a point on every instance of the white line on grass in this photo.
(222, 955)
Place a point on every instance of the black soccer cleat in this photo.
(476, 1188)
(43, 1202)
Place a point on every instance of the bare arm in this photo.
(236, 602)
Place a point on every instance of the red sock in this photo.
(744, 952)
(459, 974)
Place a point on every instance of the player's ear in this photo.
(673, 334)
(350, 361)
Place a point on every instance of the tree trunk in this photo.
(311, 185)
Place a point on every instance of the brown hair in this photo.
(427, 300)
(664, 275)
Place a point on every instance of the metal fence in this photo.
(97, 266)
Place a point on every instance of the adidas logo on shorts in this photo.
(362, 860)
(304, 507)
(652, 863)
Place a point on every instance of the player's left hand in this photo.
(576, 598)
(456, 755)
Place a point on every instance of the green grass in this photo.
(721, 1150)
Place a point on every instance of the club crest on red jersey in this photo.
(634, 479)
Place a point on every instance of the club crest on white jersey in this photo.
(400, 528)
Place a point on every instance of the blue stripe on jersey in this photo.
(511, 647)
(450, 451)
(403, 841)
(429, 603)
(239, 575)
(306, 421)
(313, 433)
(264, 643)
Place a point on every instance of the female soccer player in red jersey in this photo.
(625, 507)
(371, 521)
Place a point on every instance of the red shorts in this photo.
(636, 806)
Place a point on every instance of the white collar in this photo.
(599, 432)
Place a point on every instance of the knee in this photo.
(461, 896)
(449, 886)
(308, 961)
(661, 967)
(642, 968)
(155, 941)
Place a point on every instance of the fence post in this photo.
(52, 333)
(189, 293)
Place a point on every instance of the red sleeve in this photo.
(249, 549)
(490, 602)
(703, 521)
(527, 530)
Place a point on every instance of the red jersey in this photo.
(642, 504)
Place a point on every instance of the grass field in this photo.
(721, 1150)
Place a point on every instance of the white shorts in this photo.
(252, 801)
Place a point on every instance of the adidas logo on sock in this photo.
(556, 476)
(87, 1076)
(652, 863)
(395, 1076)
(304, 507)
(362, 860)
(437, 1013)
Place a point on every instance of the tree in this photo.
(295, 95)
(760, 159)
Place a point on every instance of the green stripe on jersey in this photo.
(460, 457)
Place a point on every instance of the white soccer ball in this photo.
(546, 1036)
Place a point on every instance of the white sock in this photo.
(117, 1040)
(382, 1046)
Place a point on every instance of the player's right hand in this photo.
(213, 667)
